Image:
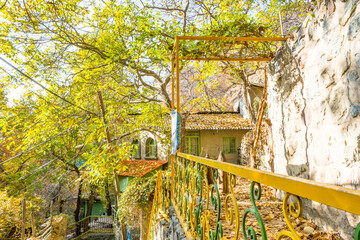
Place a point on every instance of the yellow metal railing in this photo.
(192, 195)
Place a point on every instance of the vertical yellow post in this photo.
(172, 82)
(172, 176)
(177, 75)
(23, 219)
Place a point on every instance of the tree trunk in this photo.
(33, 227)
(77, 209)
(223, 176)
(123, 231)
(61, 206)
(89, 208)
(209, 176)
(23, 219)
(145, 222)
(91, 201)
(108, 199)
(257, 131)
(182, 132)
(108, 139)
(258, 126)
(58, 205)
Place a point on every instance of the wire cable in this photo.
(36, 170)
(3, 5)
(32, 148)
(40, 144)
(46, 89)
(38, 180)
(38, 95)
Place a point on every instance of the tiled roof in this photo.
(217, 121)
(138, 168)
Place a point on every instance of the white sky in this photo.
(13, 92)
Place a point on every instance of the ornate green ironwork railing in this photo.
(194, 199)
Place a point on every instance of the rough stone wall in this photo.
(58, 228)
(170, 230)
(314, 105)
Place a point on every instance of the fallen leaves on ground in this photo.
(270, 209)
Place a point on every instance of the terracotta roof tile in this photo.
(139, 168)
(217, 121)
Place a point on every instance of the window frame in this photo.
(138, 150)
(188, 139)
(147, 148)
(229, 145)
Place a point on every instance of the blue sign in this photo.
(175, 131)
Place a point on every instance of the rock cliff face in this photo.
(314, 104)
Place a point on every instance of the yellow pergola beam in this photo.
(237, 39)
(176, 59)
(226, 59)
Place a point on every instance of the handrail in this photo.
(192, 195)
(336, 196)
(92, 216)
(90, 224)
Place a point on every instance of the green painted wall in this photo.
(124, 181)
(98, 208)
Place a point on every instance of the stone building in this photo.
(149, 146)
(314, 105)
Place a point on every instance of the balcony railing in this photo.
(195, 199)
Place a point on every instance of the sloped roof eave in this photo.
(244, 128)
(139, 168)
(217, 121)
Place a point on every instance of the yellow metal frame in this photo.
(331, 195)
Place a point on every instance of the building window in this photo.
(229, 145)
(192, 145)
(136, 149)
(150, 148)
